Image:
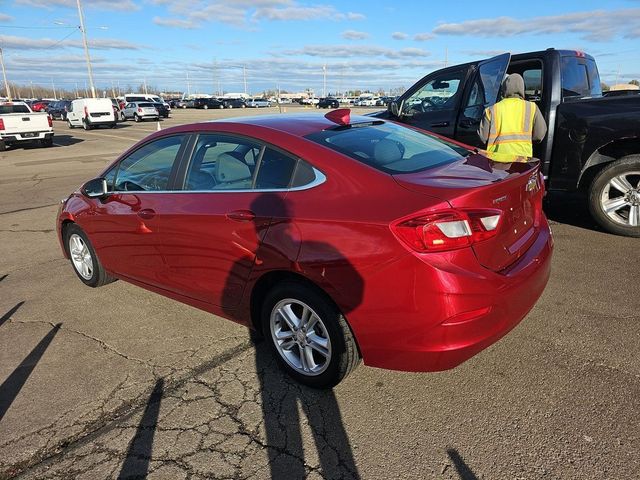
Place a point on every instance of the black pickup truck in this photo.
(593, 142)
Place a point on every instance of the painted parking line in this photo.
(120, 137)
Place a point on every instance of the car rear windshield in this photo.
(145, 105)
(389, 147)
(13, 109)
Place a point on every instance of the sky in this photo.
(210, 46)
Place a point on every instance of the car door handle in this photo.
(241, 215)
(147, 213)
(439, 124)
(469, 123)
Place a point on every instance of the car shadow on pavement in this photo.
(65, 140)
(136, 463)
(570, 209)
(286, 434)
(11, 387)
(461, 467)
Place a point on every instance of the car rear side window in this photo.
(389, 147)
(149, 167)
(580, 77)
(13, 109)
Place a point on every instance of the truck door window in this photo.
(580, 78)
(533, 84)
(439, 93)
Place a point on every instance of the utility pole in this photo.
(86, 49)
(4, 76)
(324, 81)
(77, 96)
(145, 85)
(31, 82)
(244, 77)
(55, 96)
(188, 85)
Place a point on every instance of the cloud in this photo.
(423, 37)
(399, 36)
(119, 5)
(354, 35)
(243, 13)
(347, 51)
(175, 23)
(25, 43)
(5, 18)
(596, 25)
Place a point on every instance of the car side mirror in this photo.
(395, 107)
(95, 188)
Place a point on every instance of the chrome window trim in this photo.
(319, 180)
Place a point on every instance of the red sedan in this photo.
(337, 237)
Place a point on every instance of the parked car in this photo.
(178, 103)
(40, 105)
(139, 111)
(58, 110)
(233, 103)
(143, 97)
(258, 102)
(328, 102)
(90, 113)
(163, 111)
(593, 142)
(621, 93)
(330, 240)
(207, 103)
(19, 125)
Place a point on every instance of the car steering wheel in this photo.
(426, 104)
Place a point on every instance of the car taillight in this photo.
(50, 120)
(139, 110)
(447, 229)
(1, 124)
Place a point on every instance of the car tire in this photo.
(86, 125)
(69, 124)
(136, 118)
(184, 106)
(230, 106)
(614, 197)
(330, 349)
(3, 146)
(244, 106)
(83, 258)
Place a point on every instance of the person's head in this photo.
(513, 86)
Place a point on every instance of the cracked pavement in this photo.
(118, 382)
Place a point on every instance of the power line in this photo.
(35, 28)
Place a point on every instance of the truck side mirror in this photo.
(95, 188)
(394, 108)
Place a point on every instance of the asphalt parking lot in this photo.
(118, 381)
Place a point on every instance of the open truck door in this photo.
(482, 91)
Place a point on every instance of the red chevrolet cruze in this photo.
(337, 237)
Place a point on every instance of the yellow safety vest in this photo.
(511, 127)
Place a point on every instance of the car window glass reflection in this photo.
(222, 163)
(149, 167)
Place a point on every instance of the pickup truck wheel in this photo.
(614, 197)
(308, 335)
(83, 257)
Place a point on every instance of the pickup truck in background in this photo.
(18, 124)
(593, 141)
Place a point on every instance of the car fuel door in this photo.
(481, 92)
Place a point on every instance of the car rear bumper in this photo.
(431, 330)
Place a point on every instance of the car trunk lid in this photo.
(475, 182)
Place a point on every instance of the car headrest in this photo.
(230, 169)
(386, 151)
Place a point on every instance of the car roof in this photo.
(294, 124)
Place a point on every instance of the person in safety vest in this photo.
(510, 126)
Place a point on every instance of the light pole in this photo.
(4, 76)
(324, 81)
(86, 49)
(244, 77)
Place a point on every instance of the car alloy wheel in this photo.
(206, 107)
(300, 337)
(80, 256)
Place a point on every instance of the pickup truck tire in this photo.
(47, 142)
(614, 197)
(3, 146)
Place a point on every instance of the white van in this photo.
(141, 97)
(91, 112)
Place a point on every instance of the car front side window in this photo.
(148, 168)
(439, 93)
